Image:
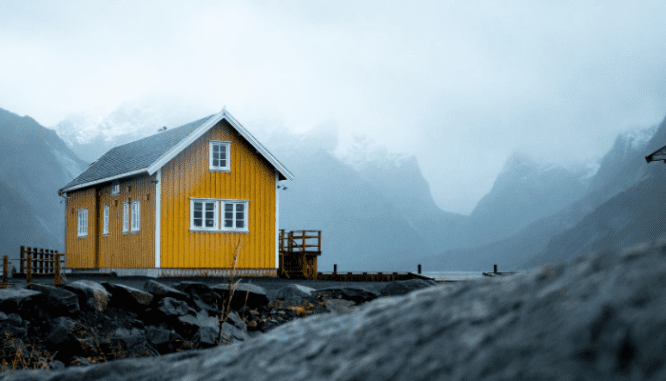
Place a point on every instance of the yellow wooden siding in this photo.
(81, 251)
(188, 175)
(128, 250)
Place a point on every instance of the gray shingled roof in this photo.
(136, 155)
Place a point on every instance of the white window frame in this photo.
(219, 216)
(227, 157)
(125, 217)
(216, 217)
(136, 216)
(115, 188)
(82, 223)
(223, 205)
(105, 225)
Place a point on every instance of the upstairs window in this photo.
(220, 155)
(136, 216)
(83, 223)
(115, 188)
(105, 229)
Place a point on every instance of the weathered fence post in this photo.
(57, 269)
(495, 269)
(28, 276)
(335, 269)
(22, 257)
(319, 242)
(40, 262)
(419, 269)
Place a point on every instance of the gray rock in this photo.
(355, 294)
(91, 295)
(295, 293)
(402, 287)
(596, 318)
(256, 295)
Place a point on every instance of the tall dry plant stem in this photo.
(231, 290)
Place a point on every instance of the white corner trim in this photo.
(158, 217)
(277, 221)
(196, 134)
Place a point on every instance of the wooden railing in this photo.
(300, 241)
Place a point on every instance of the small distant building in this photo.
(657, 155)
(177, 203)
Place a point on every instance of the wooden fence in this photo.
(35, 262)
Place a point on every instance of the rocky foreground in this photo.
(602, 317)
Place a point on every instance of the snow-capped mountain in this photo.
(92, 133)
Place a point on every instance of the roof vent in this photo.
(162, 129)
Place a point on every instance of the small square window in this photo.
(220, 156)
(115, 188)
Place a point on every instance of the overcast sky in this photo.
(460, 84)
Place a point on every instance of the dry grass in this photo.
(14, 356)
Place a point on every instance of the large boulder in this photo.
(244, 294)
(91, 295)
(295, 293)
(355, 294)
(596, 318)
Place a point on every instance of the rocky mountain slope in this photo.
(622, 167)
(34, 164)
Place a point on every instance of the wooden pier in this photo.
(298, 254)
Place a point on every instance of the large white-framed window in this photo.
(203, 214)
(136, 216)
(105, 225)
(115, 188)
(83, 223)
(218, 215)
(125, 217)
(235, 215)
(220, 156)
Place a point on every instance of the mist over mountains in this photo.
(374, 207)
(34, 163)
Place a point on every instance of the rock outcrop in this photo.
(599, 317)
(87, 320)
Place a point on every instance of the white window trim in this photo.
(203, 216)
(136, 221)
(125, 217)
(228, 156)
(105, 228)
(82, 223)
(219, 215)
(115, 188)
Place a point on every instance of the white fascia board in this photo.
(258, 146)
(207, 126)
(180, 147)
(111, 178)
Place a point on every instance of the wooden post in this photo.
(40, 262)
(5, 263)
(335, 268)
(303, 240)
(419, 269)
(28, 275)
(319, 242)
(57, 269)
(22, 258)
(495, 269)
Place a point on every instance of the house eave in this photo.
(106, 179)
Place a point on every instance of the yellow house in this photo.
(178, 203)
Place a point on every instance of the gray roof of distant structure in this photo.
(657, 155)
(147, 154)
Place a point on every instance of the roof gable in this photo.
(149, 154)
